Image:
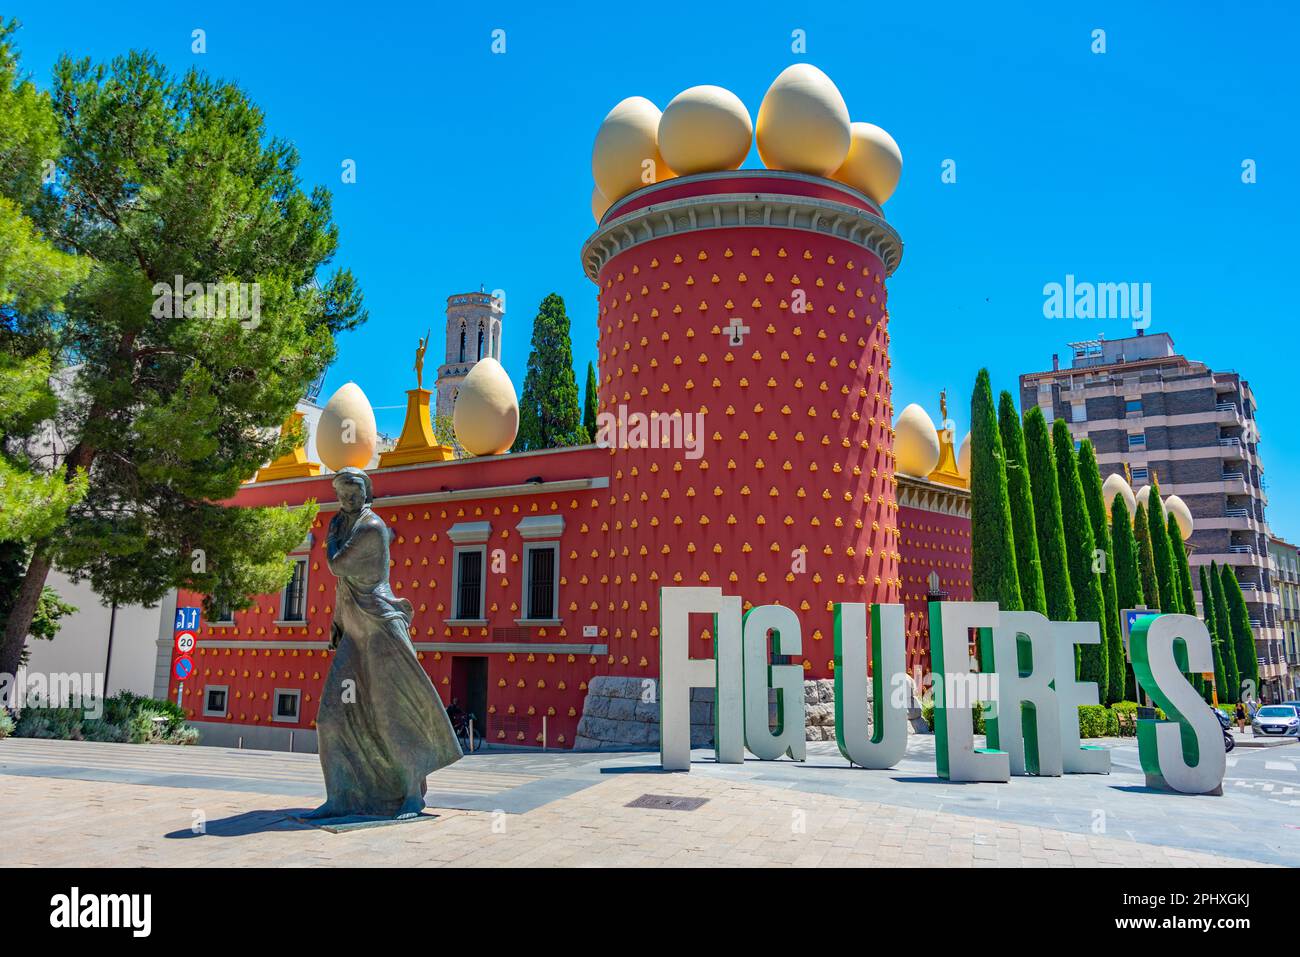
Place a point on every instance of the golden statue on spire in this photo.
(943, 405)
(419, 359)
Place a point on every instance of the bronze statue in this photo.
(381, 727)
(419, 360)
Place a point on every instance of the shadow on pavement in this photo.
(242, 825)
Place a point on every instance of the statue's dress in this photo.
(381, 726)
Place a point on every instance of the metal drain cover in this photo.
(668, 802)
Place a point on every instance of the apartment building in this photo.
(1286, 580)
(1146, 407)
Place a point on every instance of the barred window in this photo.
(540, 582)
(469, 583)
(295, 593)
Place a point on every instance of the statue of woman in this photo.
(381, 727)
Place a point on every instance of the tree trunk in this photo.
(22, 613)
(28, 599)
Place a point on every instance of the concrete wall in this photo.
(82, 643)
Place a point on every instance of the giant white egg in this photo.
(625, 156)
(916, 443)
(874, 162)
(1115, 484)
(486, 414)
(1176, 507)
(703, 129)
(346, 433)
(803, 123)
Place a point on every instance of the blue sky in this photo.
(474, 167)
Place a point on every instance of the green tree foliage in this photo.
(1029, 569)
(1128, 582)
(1048, 522)
(1243, 639)
(993, 550)
(35, 275)
(1095, 501)
(1166, 577)
(178, 399)
(590, 402)
(50, 609)
(549, 417)
(1212, 625)
(1183, 568)
(1090, 601)
(1146, 560)
(1223, 624)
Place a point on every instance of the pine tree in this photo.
(549, 417)
(590, 402)
(1232, 674)
(1212, 625)
(1243, 640)
(1128, 584)
(1028, 567)
(1048, 522)
(1166, 580)
(993, 550)
(1090, 602)
(1095, 500)
(1146, 560)
(178, 398)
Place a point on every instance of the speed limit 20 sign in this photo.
(185, 642)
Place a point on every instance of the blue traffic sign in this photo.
(187, 618)
(183, 667)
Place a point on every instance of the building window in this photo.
(286, 704)
(1137, 440)
(1078, 412)
(222, 615)
(293, 599)
(541, 581)
(469, 584)
(1132, 406)
(214, 701)
(1141, 474)
(462, 343)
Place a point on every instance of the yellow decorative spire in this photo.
(292, 465)
(417, 442)
(947, 472)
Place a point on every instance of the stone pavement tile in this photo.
(79, 823)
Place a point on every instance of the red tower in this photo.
(756, 300)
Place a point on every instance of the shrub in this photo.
(126, 717)
(927, 713)
(1092, 721)
(6, 724)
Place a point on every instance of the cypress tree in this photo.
(1166, 580)
(1243, 640)
(993, 550)
(1028, 567)
(1186, 597)
(1090, 602)
(1128, 584)
(589, 403)
(549, 417)
(1048, 523)
(1207, 602)
(1232, 674)
(1146, 561)
(1095, 501)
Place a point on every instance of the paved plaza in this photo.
(82, 804)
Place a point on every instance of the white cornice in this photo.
(747, 210)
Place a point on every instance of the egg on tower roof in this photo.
(705, 129)
(626, 154)
(803, 123)
(916, 442)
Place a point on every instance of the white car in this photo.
(1277, 719)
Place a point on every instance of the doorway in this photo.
(469, 687)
